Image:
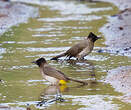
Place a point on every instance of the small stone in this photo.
(121, 28)
(108, 27)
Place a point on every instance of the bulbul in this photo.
(55, 77)
(80, 50)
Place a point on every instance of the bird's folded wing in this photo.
(54, 73)
(74, 50)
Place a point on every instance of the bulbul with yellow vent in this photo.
(55, 77)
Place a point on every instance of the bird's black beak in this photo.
(33, 62)
(99, 37)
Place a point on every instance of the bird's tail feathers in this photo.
(58, 56)
(75, 80)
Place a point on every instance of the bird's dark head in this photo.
(40, 61)
(93, 37)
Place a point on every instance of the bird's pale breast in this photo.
(52, 80)
(86, 50)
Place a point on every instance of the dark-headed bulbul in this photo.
(54, 76)
(80, 50)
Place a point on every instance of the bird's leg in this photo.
(58, 94)
(82, 58)
(78, 59)
(42, 102)
(66, 57)
(59, 97)
(69, 57)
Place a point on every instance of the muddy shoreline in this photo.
(12, 14)
(117, 30)
(120, 79)
(118, 40)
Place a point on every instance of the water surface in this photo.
(60, 25)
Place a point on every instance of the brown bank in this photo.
(118, 38)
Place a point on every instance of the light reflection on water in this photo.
(58, 27)
(71, 18)
(47, 49)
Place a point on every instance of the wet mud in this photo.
(118, 40)
(12, 13)
(117, 30)
(120, 79)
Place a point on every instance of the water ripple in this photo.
(31, 49)
(71, 18)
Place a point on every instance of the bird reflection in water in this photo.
(52, 94)
(86, 65)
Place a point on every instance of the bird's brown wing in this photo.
(76, 49)
(48, 70)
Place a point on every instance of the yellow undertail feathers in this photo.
(62, 82)
(63, 88)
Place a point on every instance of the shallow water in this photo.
(60, 25)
